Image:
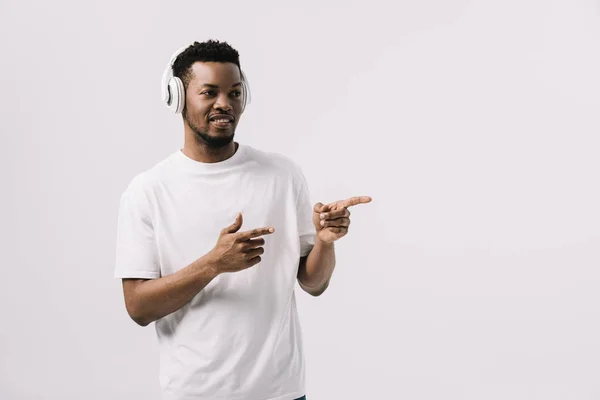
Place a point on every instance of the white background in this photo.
(473, 274)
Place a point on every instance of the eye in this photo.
(209, 93)
(236, 93)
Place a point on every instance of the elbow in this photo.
(136, 314)
(134, 302)
(315, 292)
(140, 321)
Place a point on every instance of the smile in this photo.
(221, 118)
(221, 121)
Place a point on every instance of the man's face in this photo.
(213, 102)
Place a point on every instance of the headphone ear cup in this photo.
(172, 91)
(177, 93)
(180, 96)
(246, 92)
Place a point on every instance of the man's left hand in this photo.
(333, 220)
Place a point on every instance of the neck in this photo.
(198, 150)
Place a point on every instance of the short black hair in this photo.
(211, 50)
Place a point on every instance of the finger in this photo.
(254, 261)
(243, 236)
(344, 212)
(336, 223)
(353, 201)
(339, 231)
(237, 224)
(319, 208)
(253, 243)
(255, 252)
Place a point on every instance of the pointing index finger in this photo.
(353, 201)
(247, 235)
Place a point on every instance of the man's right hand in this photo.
(236, 251)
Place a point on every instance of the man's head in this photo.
(212, 79)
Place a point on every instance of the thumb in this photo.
(319, 208)
(237, 224)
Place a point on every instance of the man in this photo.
(212, 240)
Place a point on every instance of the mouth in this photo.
(221, 121)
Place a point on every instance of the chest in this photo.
(190, 216)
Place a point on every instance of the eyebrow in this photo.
(212, 86)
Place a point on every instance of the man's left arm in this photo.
(332, 222)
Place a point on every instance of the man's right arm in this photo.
(147, 300)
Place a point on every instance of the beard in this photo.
(203, 137)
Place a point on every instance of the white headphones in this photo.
(173, 92)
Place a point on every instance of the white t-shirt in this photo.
(240, 337)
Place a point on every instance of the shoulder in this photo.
(276, 162)
(145, 182)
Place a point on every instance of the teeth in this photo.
(221, 120)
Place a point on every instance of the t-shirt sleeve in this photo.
(136, 253)
(306, 228)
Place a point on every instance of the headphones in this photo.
(173, 92)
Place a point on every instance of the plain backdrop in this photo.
(473, 274)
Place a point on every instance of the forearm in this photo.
(315, 273)
(156, 298)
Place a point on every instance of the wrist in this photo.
(209, 265)
(322, 243)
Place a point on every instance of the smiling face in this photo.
(213, 102)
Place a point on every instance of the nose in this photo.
(223, 102)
